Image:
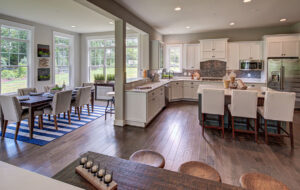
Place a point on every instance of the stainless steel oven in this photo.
(257, 65)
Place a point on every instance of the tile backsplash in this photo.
(246, 74)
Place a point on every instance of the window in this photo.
(63, 58)
(15, 56)
(132, 57)
(101, 57)
(174, 58)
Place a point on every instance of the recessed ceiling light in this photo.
(283, 20)
(73, 26)
(187, 27)
(231, 23)
(111, 22)
(177, 9)
(247, 1)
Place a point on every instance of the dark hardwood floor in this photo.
(176, 134)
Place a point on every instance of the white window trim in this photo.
(71, 65)
(31, 66)
(168, 46)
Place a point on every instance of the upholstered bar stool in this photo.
(201, 170)
(111, 101)
(278, 106)
(258, 181)
(243, 105)
(148, 157)
(213, 101)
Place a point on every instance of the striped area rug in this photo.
(48, 133)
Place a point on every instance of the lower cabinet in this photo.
(142, 107)
(184, 90)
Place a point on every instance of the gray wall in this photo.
(117, 10)
(253, 34)
(44, 35)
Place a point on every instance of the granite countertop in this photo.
(155, 85)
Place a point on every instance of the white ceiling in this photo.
(58, 13)
(208, 15)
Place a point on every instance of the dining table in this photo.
(133, 175)
(35, 102)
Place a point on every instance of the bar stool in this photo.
(201, 170)
(111, 101)
(244, 105)
(278, 106)
(258, 181)
(213, 101)
(148, 157)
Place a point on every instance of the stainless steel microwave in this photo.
(257, 65)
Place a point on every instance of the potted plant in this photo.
(56, 89)
(99, 78)
(110, 78)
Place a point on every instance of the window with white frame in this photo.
(63, 58)
(15, 57)
(174, 58)
(101, 57)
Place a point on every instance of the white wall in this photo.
(44, 35)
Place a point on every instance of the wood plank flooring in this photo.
(176, 134)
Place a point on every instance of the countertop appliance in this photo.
(257, 65)
(284, 75)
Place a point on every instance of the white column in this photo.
(120, 72)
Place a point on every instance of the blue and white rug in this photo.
(48, 133)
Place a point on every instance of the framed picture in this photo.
(43, 74)
(43, 50)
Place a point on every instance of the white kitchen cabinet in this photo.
(176, 90)
(233, 56)
(142, 107)
(192, 56)
(282, 46)
(186, 90)
(157, 55)
(213, 49)
(250, 50)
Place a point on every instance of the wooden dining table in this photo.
(37, 102)
(132, 175)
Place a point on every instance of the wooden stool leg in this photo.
(17, 130)
(203, 121)
(55, 122)
(48, 117)
(223, 126)
(64, 115)
(40, 121)
(278, 127)
(248, 123)
(255, 128)
(78, 111)
(88, 108)
(69, 117)
(232, 126)
(4, 128)
(266, 131)
(292, 134)
(59, 115)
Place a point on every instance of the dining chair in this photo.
(13, 112)
(279, 107)
(244, 105)
(60, 104)
(26, 91)
(86, 84)
(213, 102)
(47, 88)
(82, 98)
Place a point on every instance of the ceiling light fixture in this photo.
(247, 1)
(177, 9)
(283, 20)
(111, 22)
(231, 23)
(73, 26)
(187, 27)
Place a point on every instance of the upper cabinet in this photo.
(250, 51)
(192, 56)
(157, 55)
(233, 56)
(213, 49)
(282, 46)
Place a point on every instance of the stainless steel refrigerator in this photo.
(284, 75)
